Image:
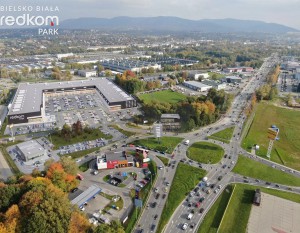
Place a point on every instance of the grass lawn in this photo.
(119, 203)
(163, 159)
(285, 151)
(79, 154)
(59, 141)
(84, 167)
(214, 216)
(236, 217)
(254, 169)
(205, 152)
(224, 135)
(185, 179)
(167, 144)
(166, 96)
(125, 132)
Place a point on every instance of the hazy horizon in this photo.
(269, 11)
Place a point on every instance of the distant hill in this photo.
(175, 24)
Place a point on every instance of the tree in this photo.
(78, 223)
(66, 131)
(12, 219)
(69, 165)
(46, 210)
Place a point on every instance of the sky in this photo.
(286, 12)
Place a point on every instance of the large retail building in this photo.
(28, 104)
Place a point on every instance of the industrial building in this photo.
(238, 69)
(28, 104)
(170, 122)
(30, 150)
(214, 84)
(87, 73)
(196, 75)
(197, 86)
(233, 79)
(133, 65)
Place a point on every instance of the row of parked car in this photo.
(82, 146)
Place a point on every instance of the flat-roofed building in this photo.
(30, 150)
(86, 196)
(233, 79)
(214, 84)
(87, 73)
(196, 86)
(170, 122)
(113, 160)
(28, 104)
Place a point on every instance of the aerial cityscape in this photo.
(125, 116)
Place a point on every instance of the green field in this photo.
(166, 96)
(205, 152)
(214, 216)
(224, 135)
(240, 206)
(185, 179)
(163, 159)
(254, 169)
(58, 140)
(167, 144)
(285, 151)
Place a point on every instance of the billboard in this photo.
(157, 130)
(273, 133)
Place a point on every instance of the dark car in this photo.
(220, 178)
(268, 183)
(201, 199)
(152, 227)
(155, 217)
(225, 156)
(212, 186)
(164, 196)
(192, 225)
(157, 196)
(229, 157)
(246, 181)
(154, 204)
(201, 210)
(74, 190)
(190, 205)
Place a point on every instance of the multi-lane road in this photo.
(234, 117)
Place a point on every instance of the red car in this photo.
(197, 204)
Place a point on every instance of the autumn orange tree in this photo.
(60, 178)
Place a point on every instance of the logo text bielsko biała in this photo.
(45, 18)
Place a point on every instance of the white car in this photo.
(184, 226)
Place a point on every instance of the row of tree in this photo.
(269, 90)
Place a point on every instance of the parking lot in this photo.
(69, 107)
(28, 166)
(30, 128)
(82, 146)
